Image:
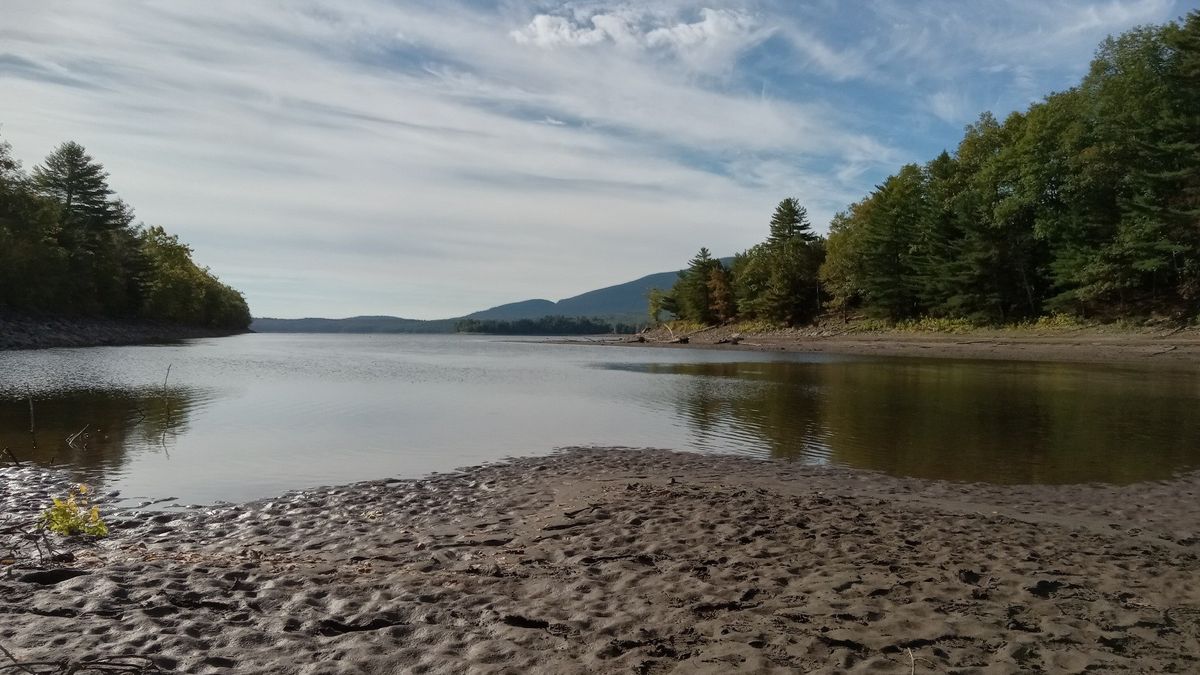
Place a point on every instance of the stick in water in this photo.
(71, 440)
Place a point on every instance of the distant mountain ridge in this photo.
(620, 303)
(354, 324)
(626, 302)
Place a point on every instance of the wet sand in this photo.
(639, 561)
(1161, 348)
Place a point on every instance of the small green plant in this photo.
(683, 327)
(75, 515)
(756, 326)
(1056, 321)
(870, 326)
(931, 324)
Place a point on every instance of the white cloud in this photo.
(710, 43)
(950, 106)
(548, 31)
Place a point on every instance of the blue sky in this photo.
(427, 159)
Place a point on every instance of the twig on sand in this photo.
(15, 664)
(912, 662)
(27, 532)
(16, 462)
(115, 664)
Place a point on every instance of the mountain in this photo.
(623, 302)
(355, 324)
(525, 309)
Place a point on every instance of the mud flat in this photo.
(631, 560)
(1174, 348)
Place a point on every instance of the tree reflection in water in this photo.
(970, 421)
(91, 432)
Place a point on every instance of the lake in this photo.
(254, 415)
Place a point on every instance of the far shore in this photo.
(1172, 348)
(625, 560)
(26, 331)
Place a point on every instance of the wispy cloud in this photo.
(429, 158)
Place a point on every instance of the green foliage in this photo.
(547, 325)
(691, 293)
(74, 515)
(1087, 204)
(69, 246)
(661, 302)
(778, 280)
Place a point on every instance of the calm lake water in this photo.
(254, 415)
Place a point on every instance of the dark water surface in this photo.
(254, 415)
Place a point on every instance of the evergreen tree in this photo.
(692, 298)
(79, 185)
(890, 233)
(790, 222)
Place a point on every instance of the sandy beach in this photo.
(1169, 348)
(626, 560)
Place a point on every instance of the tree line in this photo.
(1085, 204)
(547, 325)
(69, 246)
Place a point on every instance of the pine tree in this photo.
(789, 222)
(692, 297)
(79, 185)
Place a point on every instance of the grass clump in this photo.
(757, 326)
(930, 324)
(1056, 321)
(870, 326)
(75, 515)
(683, 327)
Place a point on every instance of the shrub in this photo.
(75, 515)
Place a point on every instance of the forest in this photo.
(547, 325)
(69, 247)
(1086, 204)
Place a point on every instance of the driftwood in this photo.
(674, 339)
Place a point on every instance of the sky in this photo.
(431, 158)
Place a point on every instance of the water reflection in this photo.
(970, 421)
(93, 429)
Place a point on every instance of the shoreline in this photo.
(22, 331)
(1157, 349)
(636, 560)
